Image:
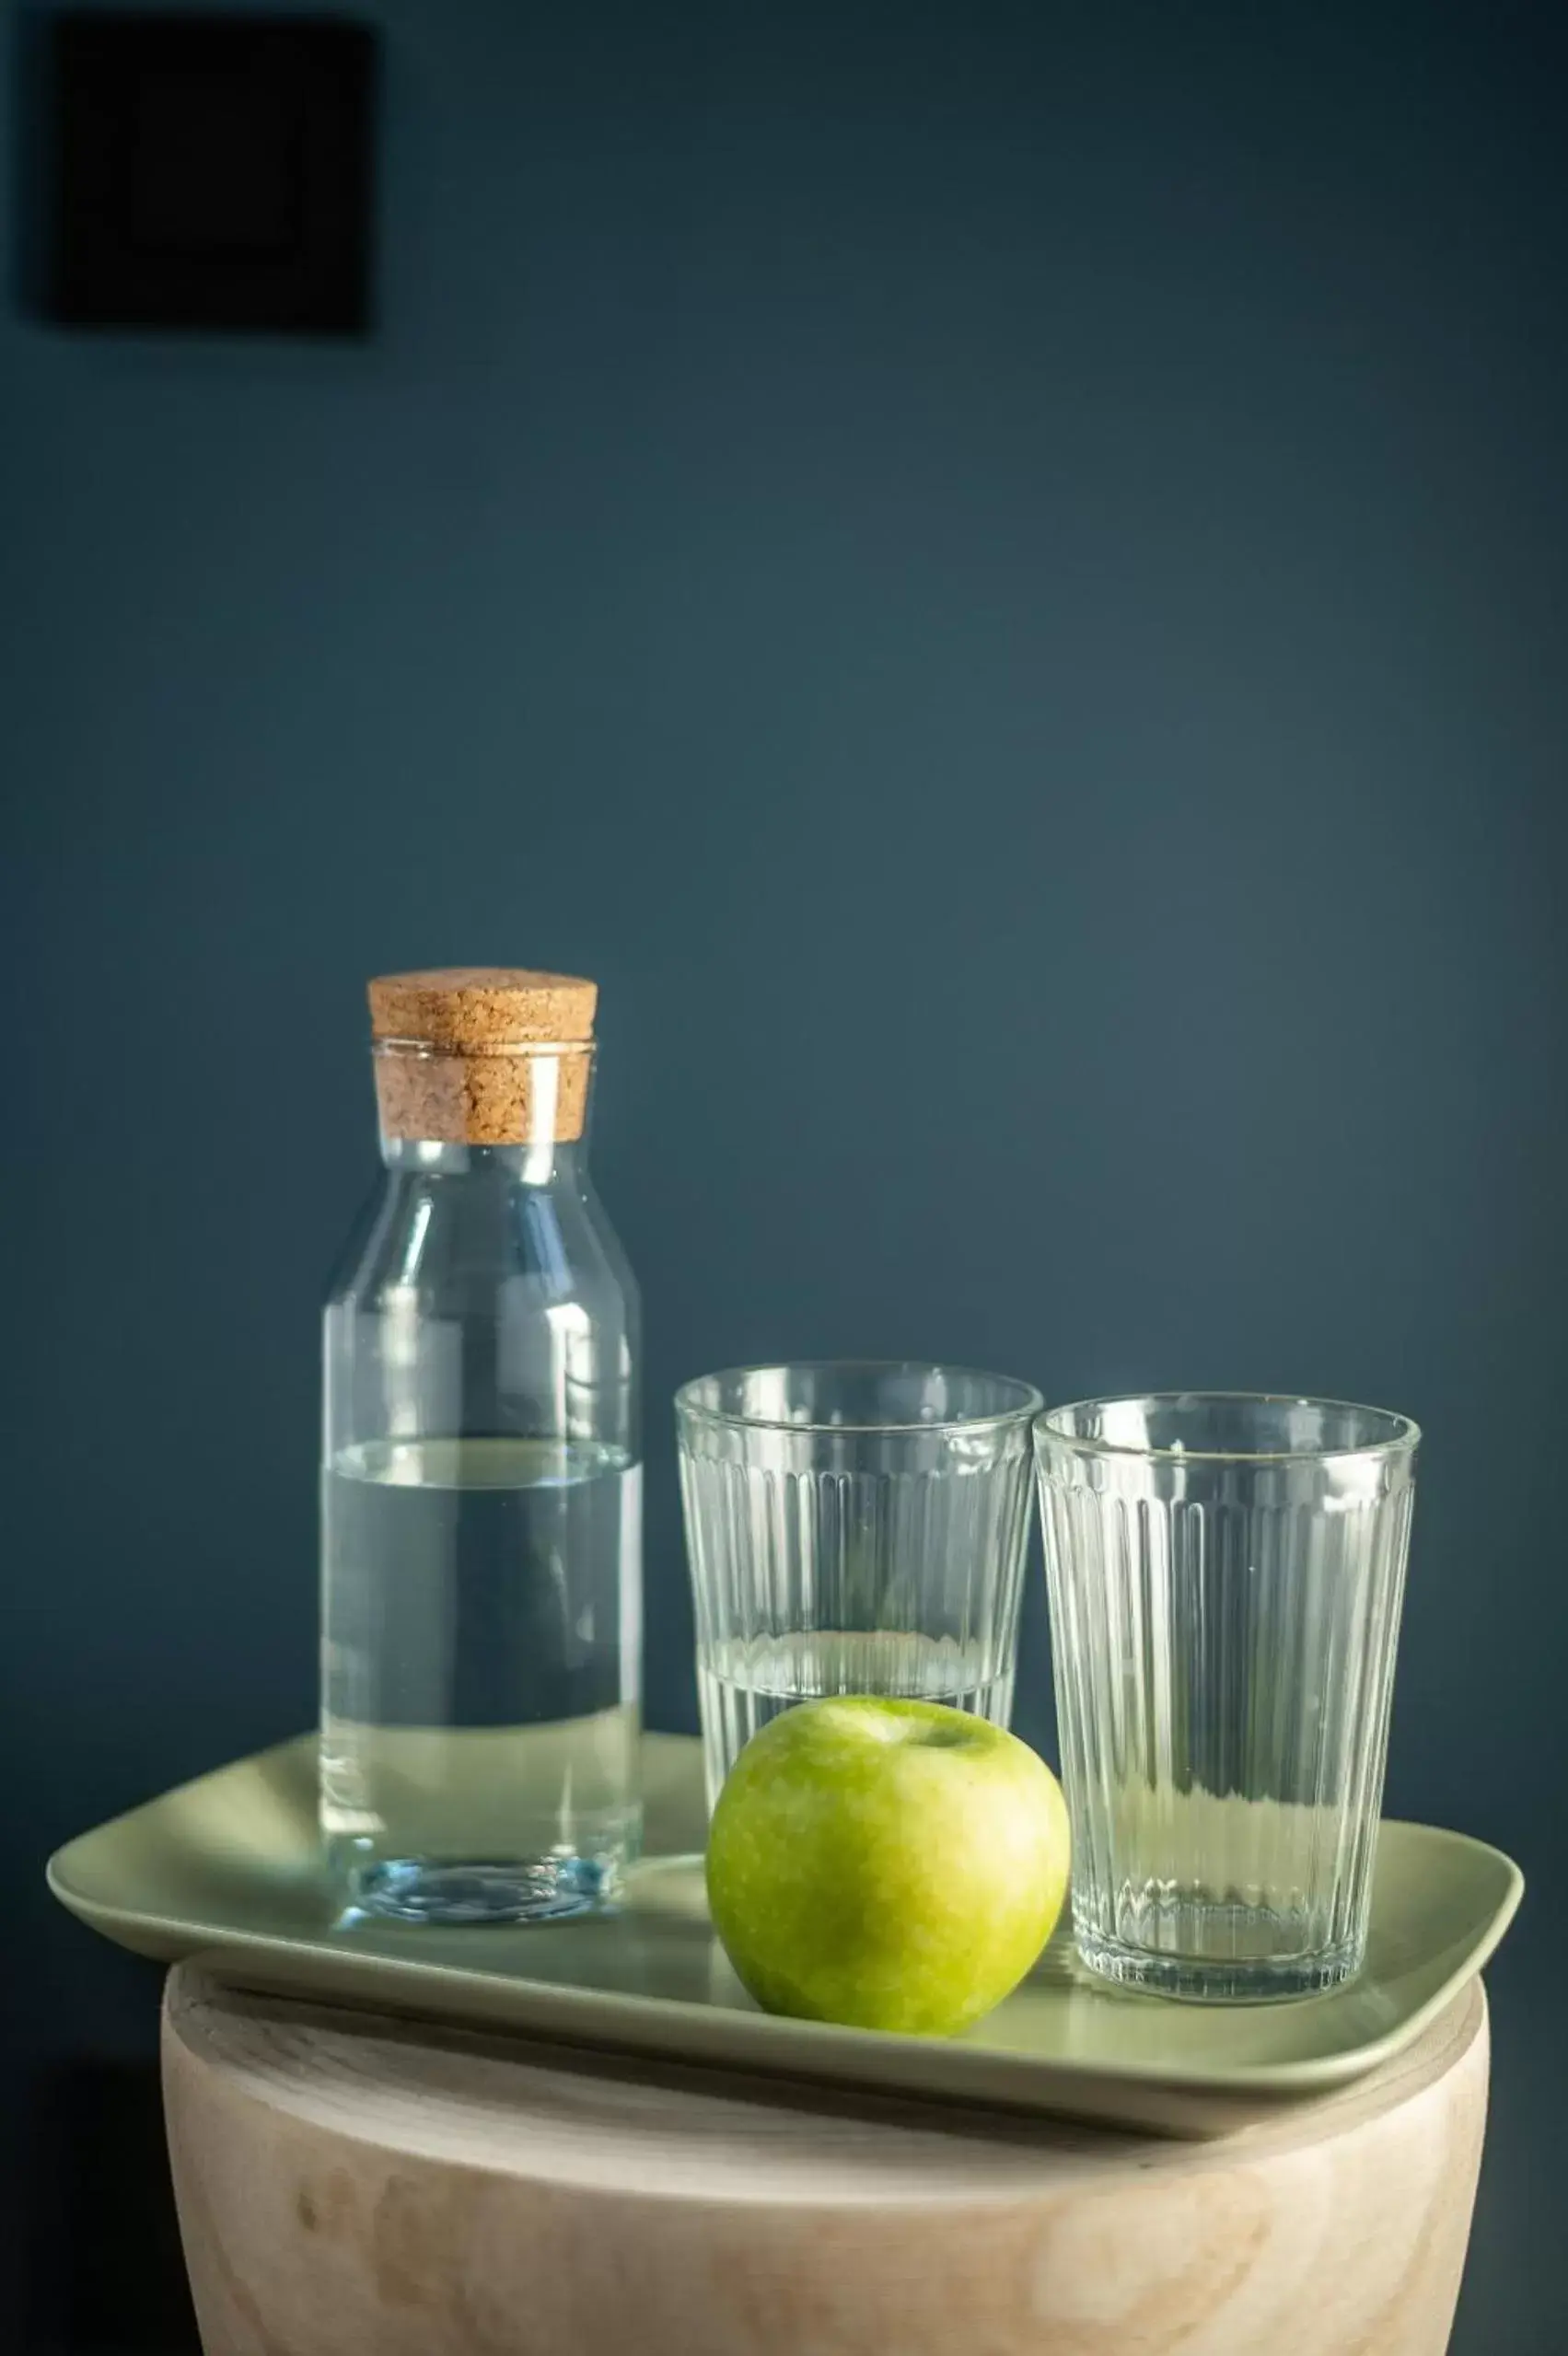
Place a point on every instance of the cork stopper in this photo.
(483, 1055)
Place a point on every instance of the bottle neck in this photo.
(545, 1161)
(520, 1110)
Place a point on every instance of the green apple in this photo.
(890, 1864)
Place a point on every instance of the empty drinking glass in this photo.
(1225, 1573)
(851, 1528)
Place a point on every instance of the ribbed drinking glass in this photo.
(851, 1528)
(1225, 1574)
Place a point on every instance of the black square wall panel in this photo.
(212, 172)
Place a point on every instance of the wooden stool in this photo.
(353, 2186)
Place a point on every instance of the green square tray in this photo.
(227, 1870)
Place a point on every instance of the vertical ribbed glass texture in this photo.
(1225, 1573)
(851, 1528)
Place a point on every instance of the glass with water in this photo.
(851, 1528)
(481, 1507)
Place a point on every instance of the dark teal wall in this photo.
(998, 575)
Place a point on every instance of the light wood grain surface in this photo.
(351, 2183)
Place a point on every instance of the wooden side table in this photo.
(351, 2185)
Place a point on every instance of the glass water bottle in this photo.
(480, 1490)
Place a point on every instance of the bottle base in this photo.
(420, 1889)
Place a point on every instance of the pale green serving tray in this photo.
(227, 1870)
